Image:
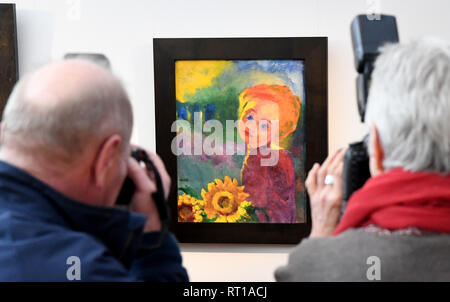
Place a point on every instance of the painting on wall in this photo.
(238, 123)
(9, 71)
(233, 185)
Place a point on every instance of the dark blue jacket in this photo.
(40, 229)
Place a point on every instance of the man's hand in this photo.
(142, 201)
(325, 199)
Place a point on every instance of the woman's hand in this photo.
(325, 199)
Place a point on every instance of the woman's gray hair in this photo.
(409, 103)
(63, 129)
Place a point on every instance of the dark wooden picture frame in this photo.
(312, 51)
(9, 72)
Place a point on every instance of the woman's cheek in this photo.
(263, 137)
(241, 131)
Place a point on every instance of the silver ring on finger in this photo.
(329, 180)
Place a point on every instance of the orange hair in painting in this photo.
(288, 104)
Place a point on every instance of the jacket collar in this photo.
(118, 229)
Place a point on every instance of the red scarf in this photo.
(400, 199)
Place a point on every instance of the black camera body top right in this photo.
(368, 35)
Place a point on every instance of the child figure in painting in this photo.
(271, 187)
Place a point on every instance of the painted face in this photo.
(255, 124)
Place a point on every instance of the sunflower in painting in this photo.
(225, 201)
(190, 209)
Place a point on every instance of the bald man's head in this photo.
(63, 108)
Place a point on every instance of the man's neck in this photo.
(66, 179)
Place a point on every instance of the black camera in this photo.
(128, 189)
(356, 169)
(367, 37)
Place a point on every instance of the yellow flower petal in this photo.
(203, 194)
(221, 219)
(227, 181)
(210, 186)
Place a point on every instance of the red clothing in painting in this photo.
(271, 187)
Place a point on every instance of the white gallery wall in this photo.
(123, 31)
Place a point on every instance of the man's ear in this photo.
(107, 155)
(376, 152)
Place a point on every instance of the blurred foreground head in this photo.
(409, 104)
(69, 123)
(63, 107)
